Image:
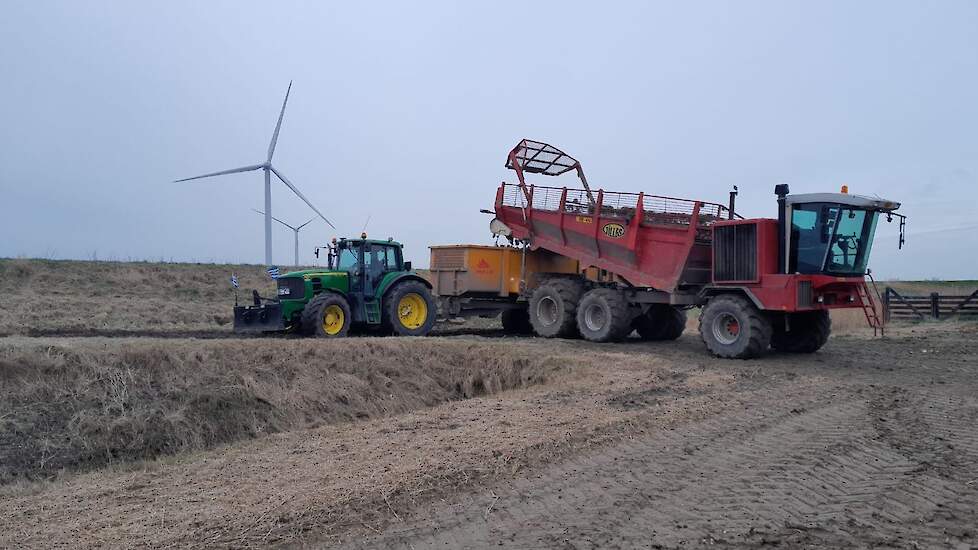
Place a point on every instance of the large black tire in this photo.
(809, 331)
(553, 308)
(327, 315)
(732, 327)
(661, 322)
(516, 321)
(603, 316)
(409, 309)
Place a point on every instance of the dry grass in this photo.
(75, 405)
(57, 297)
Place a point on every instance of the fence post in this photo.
(886, 305)
(935, 305)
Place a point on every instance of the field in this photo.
(130, 416)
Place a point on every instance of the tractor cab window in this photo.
(830, 238)
(349, 258)
(851, 242)
(391, 253)
(383, 258)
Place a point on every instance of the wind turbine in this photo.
(269, 170)
(294, 230)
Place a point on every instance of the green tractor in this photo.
(367, 284)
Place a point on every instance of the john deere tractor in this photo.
(367, 284)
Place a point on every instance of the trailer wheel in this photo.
(516, 321)
(809, 331)
(661, 322)
(409, 309)
(326, 316)
(553, 308)
(603, 316)
(732, 327)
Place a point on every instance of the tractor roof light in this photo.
(363, 235)
(844, 190)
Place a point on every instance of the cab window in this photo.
(349, 259)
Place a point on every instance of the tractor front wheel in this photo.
(809, 332)
(732, 327)
(410, 310)
(327, 316)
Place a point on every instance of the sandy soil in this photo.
(867, 443)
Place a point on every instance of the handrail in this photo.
(659, 208)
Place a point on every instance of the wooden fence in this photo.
(933, 306)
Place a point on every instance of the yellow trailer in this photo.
(478, 270)
(486, 281)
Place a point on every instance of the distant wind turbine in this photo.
(295, 230)
(269, 170)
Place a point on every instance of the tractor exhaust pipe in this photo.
(781, 190)
(733, 203)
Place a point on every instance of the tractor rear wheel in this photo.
(516, 321)
(603, 316)
(732, 327)
(553, 308)
(327, 316)
(409, 309)
(809, 331)
(661, 322)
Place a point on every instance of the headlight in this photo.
(284, 291)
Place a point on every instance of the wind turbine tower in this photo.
(295, 231)
(269, 170)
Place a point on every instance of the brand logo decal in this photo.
(614, 230)
(584, 219)
(483, 266)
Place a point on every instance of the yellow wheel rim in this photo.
(333, 320)
(412, 311)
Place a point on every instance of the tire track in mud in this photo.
(820, 473)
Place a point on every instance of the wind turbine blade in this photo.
(301, 196)
(276, 219)
(223, 172)
(305, 224)
(278, 125)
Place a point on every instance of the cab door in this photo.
(379, 260)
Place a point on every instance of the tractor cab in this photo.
(831, 233)
(368, 262)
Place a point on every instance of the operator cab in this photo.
(353, 254)
(832, 233)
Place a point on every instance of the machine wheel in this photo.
(516, 321)
(661, 322)
(809, 331)
(409, 309)
(553, 308)
(603, 316)
(732, 327)
(327, 316)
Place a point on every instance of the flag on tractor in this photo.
(234, 281)
(273, 272)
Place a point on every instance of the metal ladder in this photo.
(869, 305)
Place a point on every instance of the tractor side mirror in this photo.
(407, 266)
(316, 252)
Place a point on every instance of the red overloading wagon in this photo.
(761, 282)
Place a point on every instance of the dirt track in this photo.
(867, 443)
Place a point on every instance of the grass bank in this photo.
(71, 405)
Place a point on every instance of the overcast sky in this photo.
(404, 112)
